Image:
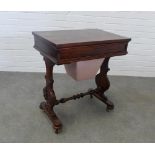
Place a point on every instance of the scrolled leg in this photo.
(103, 84)
(50, 97)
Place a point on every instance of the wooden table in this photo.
(68, 46)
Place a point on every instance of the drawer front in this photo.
(91, 52)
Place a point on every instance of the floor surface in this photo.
(84, 120)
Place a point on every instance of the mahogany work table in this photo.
(68, 46)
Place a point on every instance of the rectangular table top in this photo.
(67, 38)
(66, 46)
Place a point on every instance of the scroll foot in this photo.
(104, 99)
(47, 108)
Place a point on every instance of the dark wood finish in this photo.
(50, 97)
(67, 46)
(103, 84)
(77, 96)
(70, 38)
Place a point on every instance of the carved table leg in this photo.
(50, 97)
(103, 84)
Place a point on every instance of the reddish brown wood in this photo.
(50, 97)
(77, 96)
(103, 84)
(72, 38)
(67, 46)
(81, 53)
